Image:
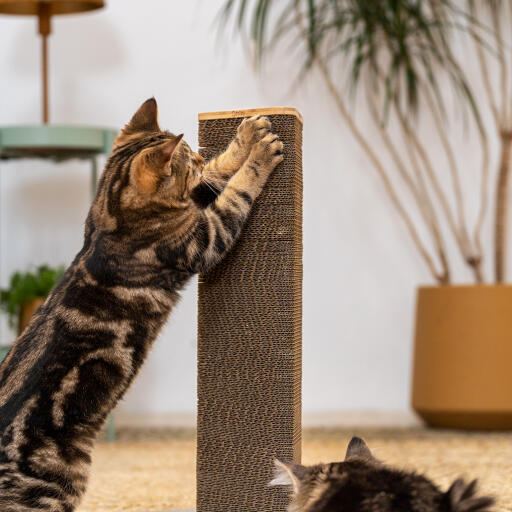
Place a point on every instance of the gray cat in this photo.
(363, 484)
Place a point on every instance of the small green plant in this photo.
(27, 286)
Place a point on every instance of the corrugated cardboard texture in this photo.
(250, 338)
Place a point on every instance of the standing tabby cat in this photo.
(144, 238)
(363, 484)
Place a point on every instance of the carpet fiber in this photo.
(154, 470)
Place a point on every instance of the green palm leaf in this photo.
(404, 44)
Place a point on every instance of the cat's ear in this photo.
(462, 498)
(288, 473)
(144, 120)
(357, 448)
(153, 165)
(162, 154)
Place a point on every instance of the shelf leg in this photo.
(94, 177)
(111, 428)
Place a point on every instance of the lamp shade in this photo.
(55, 7)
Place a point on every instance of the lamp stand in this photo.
(45, 31)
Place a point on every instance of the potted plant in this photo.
(26, 292)
(398, 57)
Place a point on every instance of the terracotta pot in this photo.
(27, 310)
(463, 357)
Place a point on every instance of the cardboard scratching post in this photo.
(250, 335)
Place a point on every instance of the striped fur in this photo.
(145, 236)
(361, 483)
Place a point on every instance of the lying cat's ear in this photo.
(357, 448)
(288, 473)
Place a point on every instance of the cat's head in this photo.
(164, 166)
(149, 169)
(361, 483)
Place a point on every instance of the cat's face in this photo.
(361, 483)
(149, 169)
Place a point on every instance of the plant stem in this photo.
(504, 129)
(433, 221)
(485, 73)
(503, 64)
(420, 192)
(472, 258)
(484, 187)
(441, 278)
(500, 233)
(429, 169)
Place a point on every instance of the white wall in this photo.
(360, 267)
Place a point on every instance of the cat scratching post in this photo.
(250, 335)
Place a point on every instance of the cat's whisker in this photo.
(213, 180)
(214, 190)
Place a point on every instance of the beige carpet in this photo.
(154, 471)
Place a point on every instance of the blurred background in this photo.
(360, 270)
(362, 267)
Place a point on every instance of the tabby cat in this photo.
(363, 484)
(145, 237)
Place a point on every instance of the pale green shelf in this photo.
(55, 142)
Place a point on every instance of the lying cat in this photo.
(145, 237)
(363, 484)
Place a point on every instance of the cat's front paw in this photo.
(252, 130)
(268, 152)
